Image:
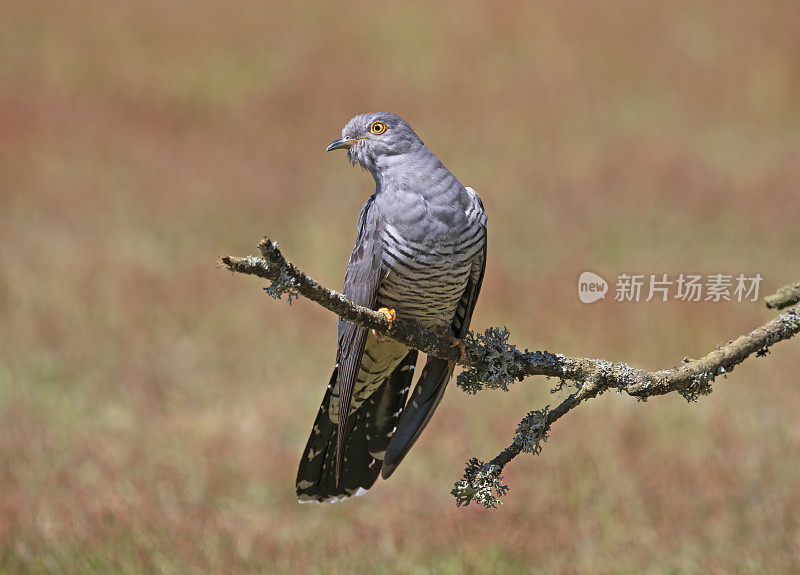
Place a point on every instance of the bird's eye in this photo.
(377, 128)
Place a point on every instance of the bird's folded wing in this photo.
(361, 282)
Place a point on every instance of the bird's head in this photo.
(374, 138)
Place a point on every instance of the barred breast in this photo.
(426, 280)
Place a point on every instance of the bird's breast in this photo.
(426, 276)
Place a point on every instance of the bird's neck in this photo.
(414, 172)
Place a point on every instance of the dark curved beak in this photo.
(342, 143)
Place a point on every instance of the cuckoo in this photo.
(419, 256)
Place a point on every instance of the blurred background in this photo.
(153, 407)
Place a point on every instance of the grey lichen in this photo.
(498, 367)
(791, 319)
(283, 284)
(254, 262)
(481, 482)
(700, 386)
(614, 374)
(532, 431)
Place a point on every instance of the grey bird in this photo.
(420, 256)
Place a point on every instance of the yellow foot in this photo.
(390, 316)
(460, 344)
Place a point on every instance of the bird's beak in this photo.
(341, 143)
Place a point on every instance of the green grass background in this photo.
(153, 407)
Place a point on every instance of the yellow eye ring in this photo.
(377, 128)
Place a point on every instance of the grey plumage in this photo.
(420, 250)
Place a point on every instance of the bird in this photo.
(419, 256)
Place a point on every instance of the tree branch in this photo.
(288, 278)
(491, 362)
(784, 297)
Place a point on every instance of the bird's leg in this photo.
(390, 316)
(458, 342)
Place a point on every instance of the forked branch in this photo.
(492, 362)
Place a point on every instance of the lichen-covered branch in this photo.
(288, 278)
(691, 379)
(492, 362)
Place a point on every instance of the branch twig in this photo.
(491, 362)
(784, 297)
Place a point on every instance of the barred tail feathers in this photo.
(426, 397)
(369, 430)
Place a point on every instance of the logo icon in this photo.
(591, 287)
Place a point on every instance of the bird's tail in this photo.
(369, 429)
(416, 415)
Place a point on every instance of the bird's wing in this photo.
(361, 281)
(437, 372)
(470, 296)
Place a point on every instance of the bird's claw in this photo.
(390, 316)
